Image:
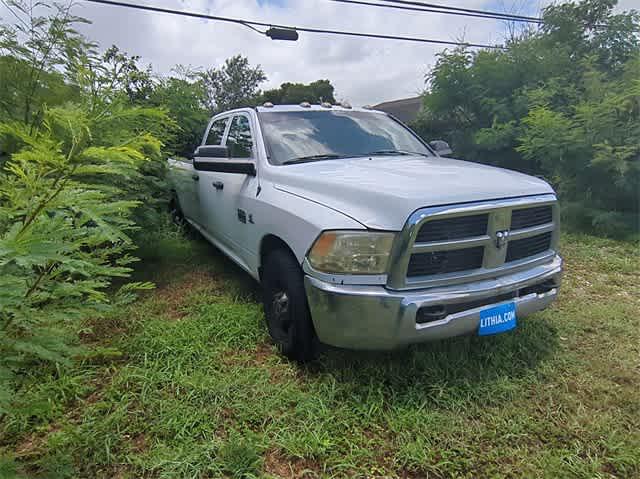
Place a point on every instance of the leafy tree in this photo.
(35, 49)
(122, 73)
(77, 181)
(593, 154)
(184, 98)
(589, 28)
(64, 234)
(293, 93)
(52, 90)
(234, 85)
(561, 102)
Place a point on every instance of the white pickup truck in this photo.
(362, 235)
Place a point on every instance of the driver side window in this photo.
(216, 132)
(239, 139)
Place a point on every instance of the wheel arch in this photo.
(269, 243)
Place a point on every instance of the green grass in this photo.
(184, 383)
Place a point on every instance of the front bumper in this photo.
(374, 317)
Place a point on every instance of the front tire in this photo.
(286, 308)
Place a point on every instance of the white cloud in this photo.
(364, 71)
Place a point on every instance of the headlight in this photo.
(351, 252)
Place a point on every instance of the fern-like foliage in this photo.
(81, 169)
(69, 196)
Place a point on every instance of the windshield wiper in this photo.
(393, 152)
(306, 159)
(333, 156)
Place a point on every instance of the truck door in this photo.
(181, 175)
(232, 217)
(207, 196)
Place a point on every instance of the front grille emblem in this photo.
(501, 238)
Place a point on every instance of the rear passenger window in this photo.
(239, 139)
(216, 132)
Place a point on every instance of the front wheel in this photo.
(286, 308)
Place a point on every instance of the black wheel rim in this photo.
(280, 315)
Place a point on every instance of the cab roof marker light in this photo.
(305, 104)
(267, 104)
(325, 104)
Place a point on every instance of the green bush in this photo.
(562, 102)
(65, 232)
(77, 179)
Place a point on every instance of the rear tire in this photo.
(179, 219)
(177, 216)
(286, 308)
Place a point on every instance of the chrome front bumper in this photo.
(374, 317)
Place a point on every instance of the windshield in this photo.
(299, 136)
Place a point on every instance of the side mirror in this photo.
(242, 167)
(211, 151)
(441, 147)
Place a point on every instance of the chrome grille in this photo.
(526, 247)
(440, 262)
(453, 228)
(460, 243)
(527, 217)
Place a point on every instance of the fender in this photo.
(296, 221)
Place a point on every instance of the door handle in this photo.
(218, 185)
(195, 177)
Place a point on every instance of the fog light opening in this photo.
(541, 288)
(429, 314)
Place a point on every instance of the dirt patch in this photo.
(263, 352)
(34, 443)
(277, 464)
(94, 397)
(139, 443)
(100, 383)
(257, 357)
(100, 330)
(117, 471)
(174, 297)
(265, 356)
(28, 445)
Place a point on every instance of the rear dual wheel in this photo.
(286, 308)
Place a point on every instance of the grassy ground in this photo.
(185, 384)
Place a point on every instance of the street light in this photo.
(282, 34)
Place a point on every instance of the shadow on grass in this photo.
(463, 369)
(482, 369)
(169, 258)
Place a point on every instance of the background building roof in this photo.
(405, 110)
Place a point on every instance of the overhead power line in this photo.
(251, 24)
(447, 10)
(444, 11)
(506, 16)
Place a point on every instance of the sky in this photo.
(363, 71)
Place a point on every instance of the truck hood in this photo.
(381, 192)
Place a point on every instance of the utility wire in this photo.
(466, 12)
(251, 23)
(489, 15)
(507, 16)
